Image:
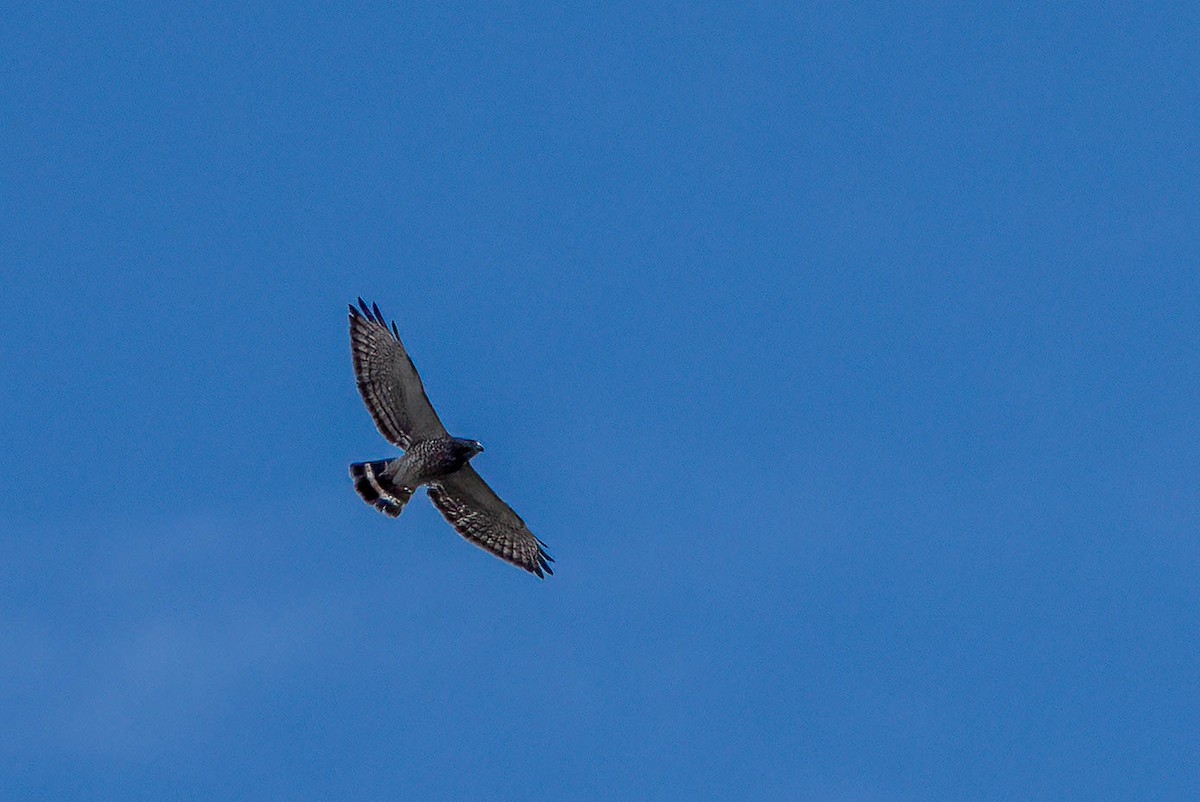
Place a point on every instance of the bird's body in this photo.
(388, 484)
(429, 460)
(395, 397)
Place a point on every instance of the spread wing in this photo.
(483, 518)
(388, 381)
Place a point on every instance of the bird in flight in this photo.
(395, 397)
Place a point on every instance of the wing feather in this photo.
(388, 381)
(482, 517)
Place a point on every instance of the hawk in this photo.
(395, 397)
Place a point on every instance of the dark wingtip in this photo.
(372, 314)
(541, 562)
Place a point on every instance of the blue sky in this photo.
(845, 356)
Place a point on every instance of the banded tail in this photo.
(376, 487)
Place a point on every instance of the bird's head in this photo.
(469, 447)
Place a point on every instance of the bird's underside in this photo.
(392, 390)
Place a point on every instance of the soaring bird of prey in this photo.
(395, 397)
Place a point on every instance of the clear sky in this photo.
(845, 355)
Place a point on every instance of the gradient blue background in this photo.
(846, 357)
